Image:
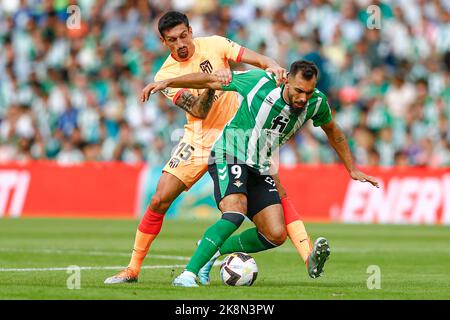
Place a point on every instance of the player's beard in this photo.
(295, 110)
(183, 53)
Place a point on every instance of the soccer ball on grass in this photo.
(238, 269)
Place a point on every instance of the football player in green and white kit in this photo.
(240, 159)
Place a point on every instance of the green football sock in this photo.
(212, 239)
(248, 241)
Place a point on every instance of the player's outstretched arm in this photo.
(337, 140)
(191, 81)
(197, 106)
(266, 63)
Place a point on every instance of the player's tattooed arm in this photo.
(261, 61)
(204, 103)
(197, 106)
(196, 80)
(337, 139)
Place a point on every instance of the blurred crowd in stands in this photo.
(72, 94)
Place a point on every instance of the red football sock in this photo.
(151, 222)
(147, 231)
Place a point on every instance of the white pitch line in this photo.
(93, 268)
(92, 253)
(85, 268)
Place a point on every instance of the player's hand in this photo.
(280, 74)
(358, 175)
(152, 88)
(224, 76)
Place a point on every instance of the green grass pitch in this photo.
(414, 262)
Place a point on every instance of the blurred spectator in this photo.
(373, 158)
(401, 159)
(400, 96)
(69, 154)
(72, 94)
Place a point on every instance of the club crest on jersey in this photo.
(206, 66)
(237, 183)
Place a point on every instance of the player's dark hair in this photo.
(171, 19)
(308, 69)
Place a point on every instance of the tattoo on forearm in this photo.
(205, 102)
(196, 106)
(339, 139)
(186, 101)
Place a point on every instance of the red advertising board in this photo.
(405, 196)
(87, 190)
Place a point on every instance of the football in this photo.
(238, 269)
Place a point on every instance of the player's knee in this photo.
(155, 202)
(159, 204)
(277, 235)
(235, 202)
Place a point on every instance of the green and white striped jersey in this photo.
(264, 121)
